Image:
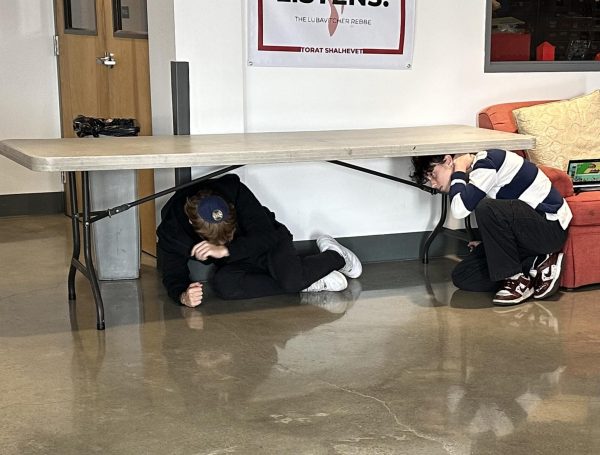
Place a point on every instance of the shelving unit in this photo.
(560, 22)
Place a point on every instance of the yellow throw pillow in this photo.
(564, 130)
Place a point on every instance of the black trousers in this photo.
(280, 271)
(513, 234)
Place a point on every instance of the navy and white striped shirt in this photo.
(498, 174)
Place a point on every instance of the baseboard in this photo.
(32, 204)
(372, 248)
(392, 247)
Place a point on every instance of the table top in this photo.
(155, 152)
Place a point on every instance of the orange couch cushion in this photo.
(585, 207)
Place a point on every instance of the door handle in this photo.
(107, 60)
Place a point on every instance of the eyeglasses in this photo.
(431, 174)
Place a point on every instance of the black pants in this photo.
(280, 271)
(512, 235)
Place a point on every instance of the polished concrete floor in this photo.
(400, 363)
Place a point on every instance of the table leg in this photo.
(88, 269)
(76, 236)
(87, 252)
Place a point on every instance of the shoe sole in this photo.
(340, 285)
(556, 284)
(513, 302)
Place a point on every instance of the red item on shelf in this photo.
(545, 51)
(510, 47)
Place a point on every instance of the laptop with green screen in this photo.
(585, 174)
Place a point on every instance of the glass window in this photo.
(80, 16)
(130, 18)
(543, 35)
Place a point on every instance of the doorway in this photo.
(102, 48)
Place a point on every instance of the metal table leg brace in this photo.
(439, 228)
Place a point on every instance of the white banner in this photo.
(331, 33)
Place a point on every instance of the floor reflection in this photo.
(400, 363)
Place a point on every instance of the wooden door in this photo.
(88, 31)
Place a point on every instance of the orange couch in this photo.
(582, 249)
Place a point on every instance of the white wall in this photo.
(446, 85)
(28, 89)
(161, 44)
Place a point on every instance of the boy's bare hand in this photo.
(463, 162)
(473, 244)
(192, 297)
(203, 250)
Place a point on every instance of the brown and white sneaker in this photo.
(546, 275)
(515, 289)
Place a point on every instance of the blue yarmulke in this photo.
(213, 209)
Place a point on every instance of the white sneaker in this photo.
(353, 267)
(335, 281)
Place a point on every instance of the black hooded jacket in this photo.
(255, 235)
